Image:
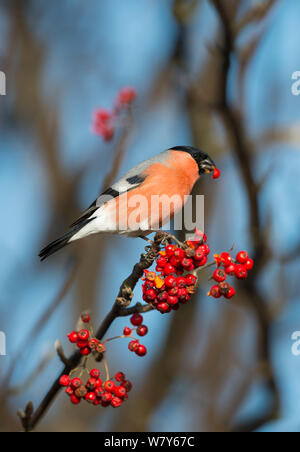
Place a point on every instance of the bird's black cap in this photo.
(202, 158)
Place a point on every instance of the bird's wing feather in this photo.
(130, 180)
(122, 186)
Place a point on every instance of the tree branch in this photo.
(119, 309)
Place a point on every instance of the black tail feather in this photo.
(55, 245)
(62, 241)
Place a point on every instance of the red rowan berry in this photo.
(150, 295)
(199, 253)
(219, 275)
(83, 335)
(241, 272)
(81, 344)
(186, 263)
(207, 249)
(163, 307)
(182, 293)
(163, 296)
(85, 351)
(108, 133)
(162, 261)
(215, 291)
(249, 264)
(216, 173)
(230, 293)
(141, 350)
(136, 319)
(142, 330)
(73, 336)
(242, 257)
(85, 318)
(230, 269)
(106, 397)
(91, 383)
(127, 385)
(133, 345)
(170, 281)
(148, 285)
(173, 291)
(120, 391)
(226, 259)
(172, 300)
(202, 262)
(179, 253)
(168, 269)
(127, 331)
(98, 383)
(69, 391)
(76, 383)
(170, 249)
(181, 281)
(90, 397)
(102, 115)
(75, 400)
(175, 261)
(95, 373)
(109, 386)
(116, 402)
(99, 391)
(120, 376)
(126, 96)
(201, 249)
(191, 280)
(64, 380)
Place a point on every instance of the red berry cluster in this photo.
(95, 391)
(84, 340)
(166, 290)
(228, 266)
(104, 120)
(135, 345)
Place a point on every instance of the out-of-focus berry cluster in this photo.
(95, 391)
(105, 121)
(228, 266)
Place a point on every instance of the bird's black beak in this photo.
(207, 166)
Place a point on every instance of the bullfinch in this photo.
(127, 207)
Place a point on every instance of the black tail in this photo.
(62, 241)
(55, 246)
